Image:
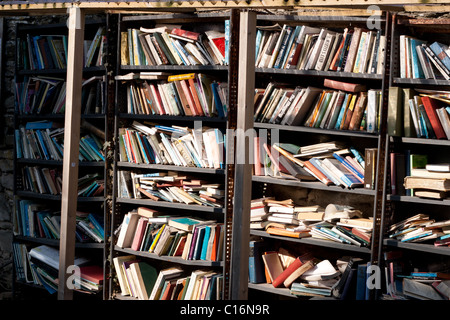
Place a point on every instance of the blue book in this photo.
(316, 163)
(98, 222)
(42, 144)
(349, 166)
(19, 153)
(448, 109)
(198, 243)
(255, 261)
(342, 111)
(227, 41)
(361, 278)
(205, 243)
(417, 67)
(439, 51)
(39, 125)
(358, 156)
(259, 34)
(217, 100)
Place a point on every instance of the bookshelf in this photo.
(312, 191)
(39, 120)
(135, 119)
(405, 147)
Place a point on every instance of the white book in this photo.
(328, 42)
(372, 103)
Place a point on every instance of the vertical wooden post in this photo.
(243, 166)
(71, 149)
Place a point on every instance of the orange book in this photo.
(314, 114)
(287, 233)
(215, 246)
(358, 112)
(317, 173)
(193, 89)
(189, 98)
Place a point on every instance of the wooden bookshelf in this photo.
(53, 203)
(123, 119)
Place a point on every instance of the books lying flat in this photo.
(439, 184)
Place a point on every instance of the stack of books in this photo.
(45, 140)
(172, 45)
(421, 59)
(43, 52)
(421, 228)
(310, 48)
(174, 236)
(180, 146)
(142, 281)
(171, 187)
(38, 221)
(191, 94)
(337, 223)
(345, 106)
(40, 265)
(330, 163)
(433, 181)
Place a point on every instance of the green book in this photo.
(395, 112)
(417, 161)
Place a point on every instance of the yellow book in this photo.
(152, 246)
(124, 48)
(348, 108)
(185, 76)
(316, 110)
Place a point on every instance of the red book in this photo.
(186, 34)
(139, 234)
(430, 106)
(257, 157)
(92, 273)
(297, 263)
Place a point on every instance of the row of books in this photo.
(40, 140)
(339, 223)
(42, 180)
(42, 95)
(408, 279)
(306, 275)
(190, 94)
(173, 145)
(174, 236)
(347, 107)
(313, 48)
(421, 59)
(40, 265)
(170, 187)
(43, 52)
(142, 281)
(172, 45)
(421, 228)
(330, 163)
(421, 114)
(36, 220)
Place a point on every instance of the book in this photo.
(272, 264)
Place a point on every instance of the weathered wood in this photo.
(243, 166)
(19, 7)
(71, 150)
